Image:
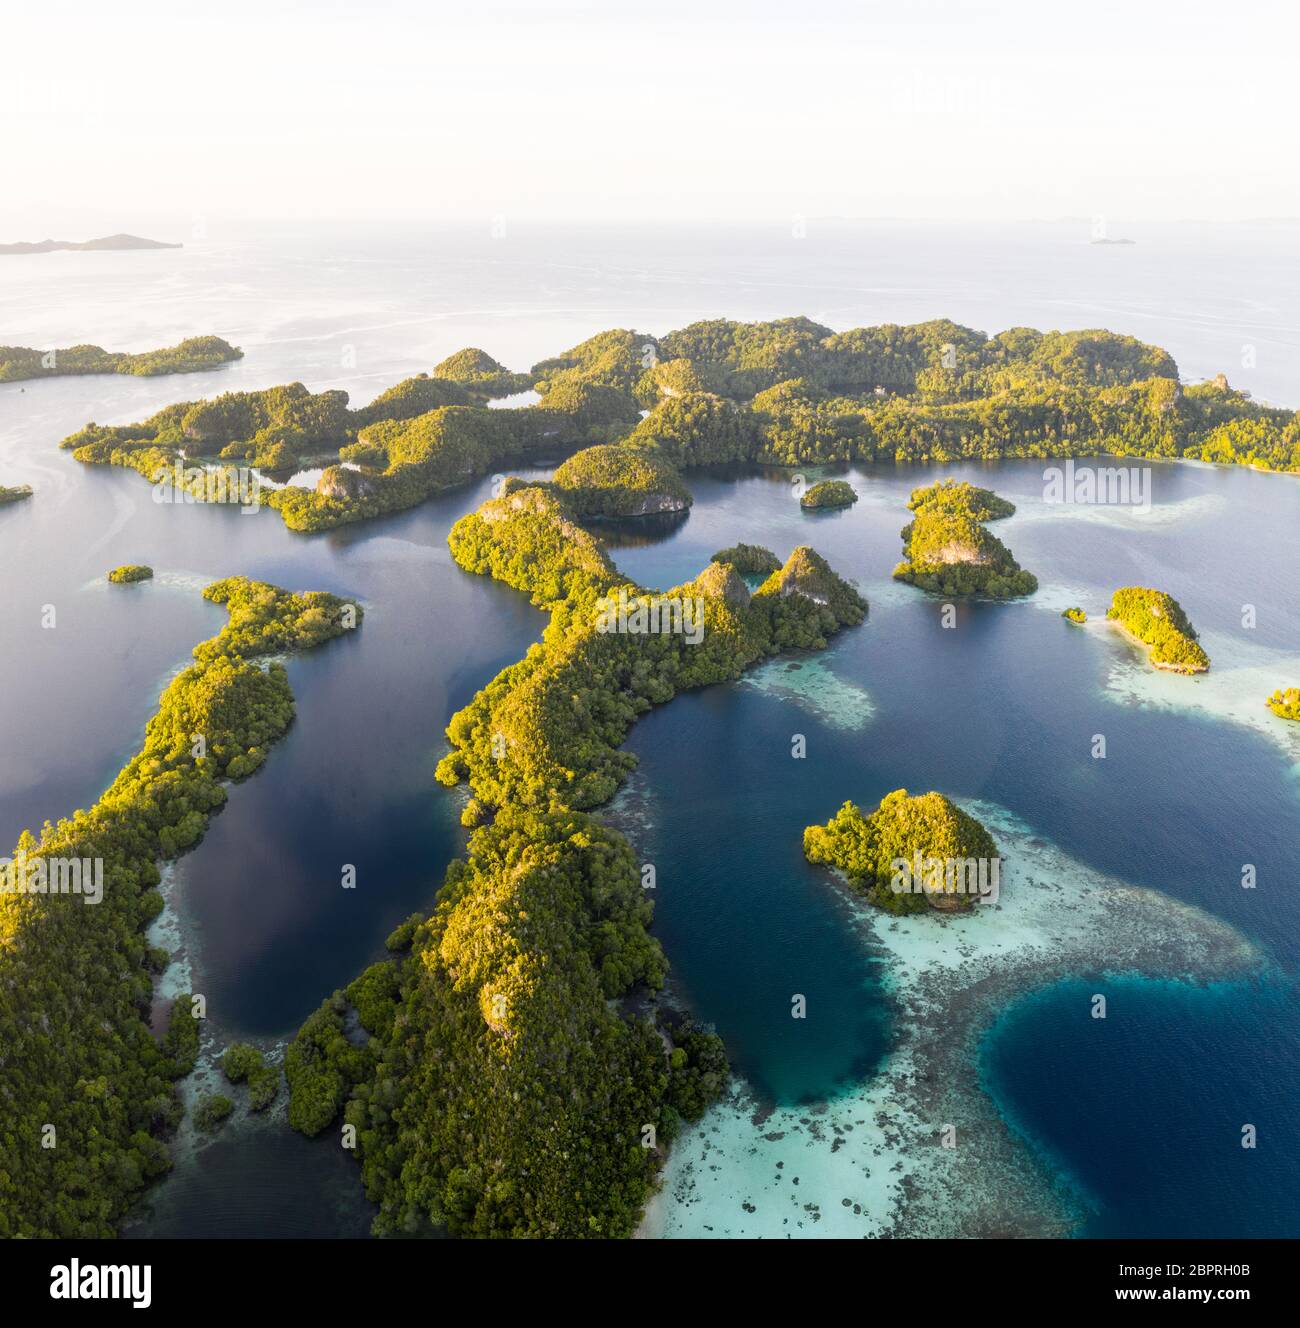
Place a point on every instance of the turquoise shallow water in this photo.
(1004, 708)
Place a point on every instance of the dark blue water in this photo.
(270, 930)
(1004, 707)
(1143, 1111)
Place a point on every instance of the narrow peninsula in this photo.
(508, 1087)
(92, 1071)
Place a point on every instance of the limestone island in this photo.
(829, 494)
(1075, 615)
(130, 572)
(15, 494)
(610, 481)
(105, 242)
(1157, 620)
(749, 559)
(947, 549)
(910, 854)
(191, 356)
(1285, 704)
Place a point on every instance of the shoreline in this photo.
(1147, 650)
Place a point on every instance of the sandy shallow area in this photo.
(811, 683)
(1241, 678)
(873, 1162)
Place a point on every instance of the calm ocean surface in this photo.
(1140, 1114)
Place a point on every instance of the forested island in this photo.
(910, 854)
(91, 1070)
(948, 550)
(18, 363)
(749, 559)
(1075, 615)
(15, 494)
(1285, 704)
(787, 393)
(829, 494)
(130, 572)
(244, 1064)
(621, 481)
(1158, 621)
(504, 1090)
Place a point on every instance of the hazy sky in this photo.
(121, 114)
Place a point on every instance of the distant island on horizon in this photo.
(120, 241)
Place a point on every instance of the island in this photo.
(242, 1063)
(959, 496)
(611, 481)
(948, 551)
(130, 572)
(1075, 615)
(1157, 620)
(1285, 704)
(829, 494)
(105, 242)
(210, 1112)
(784, 393)
(749, 559)
(530, 978)
(94, 1069)
(18, 363)
(15, 494)
(910, 854)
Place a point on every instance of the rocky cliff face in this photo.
(722, 581)
(651, 504)
(960, 552)
(340, 482)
